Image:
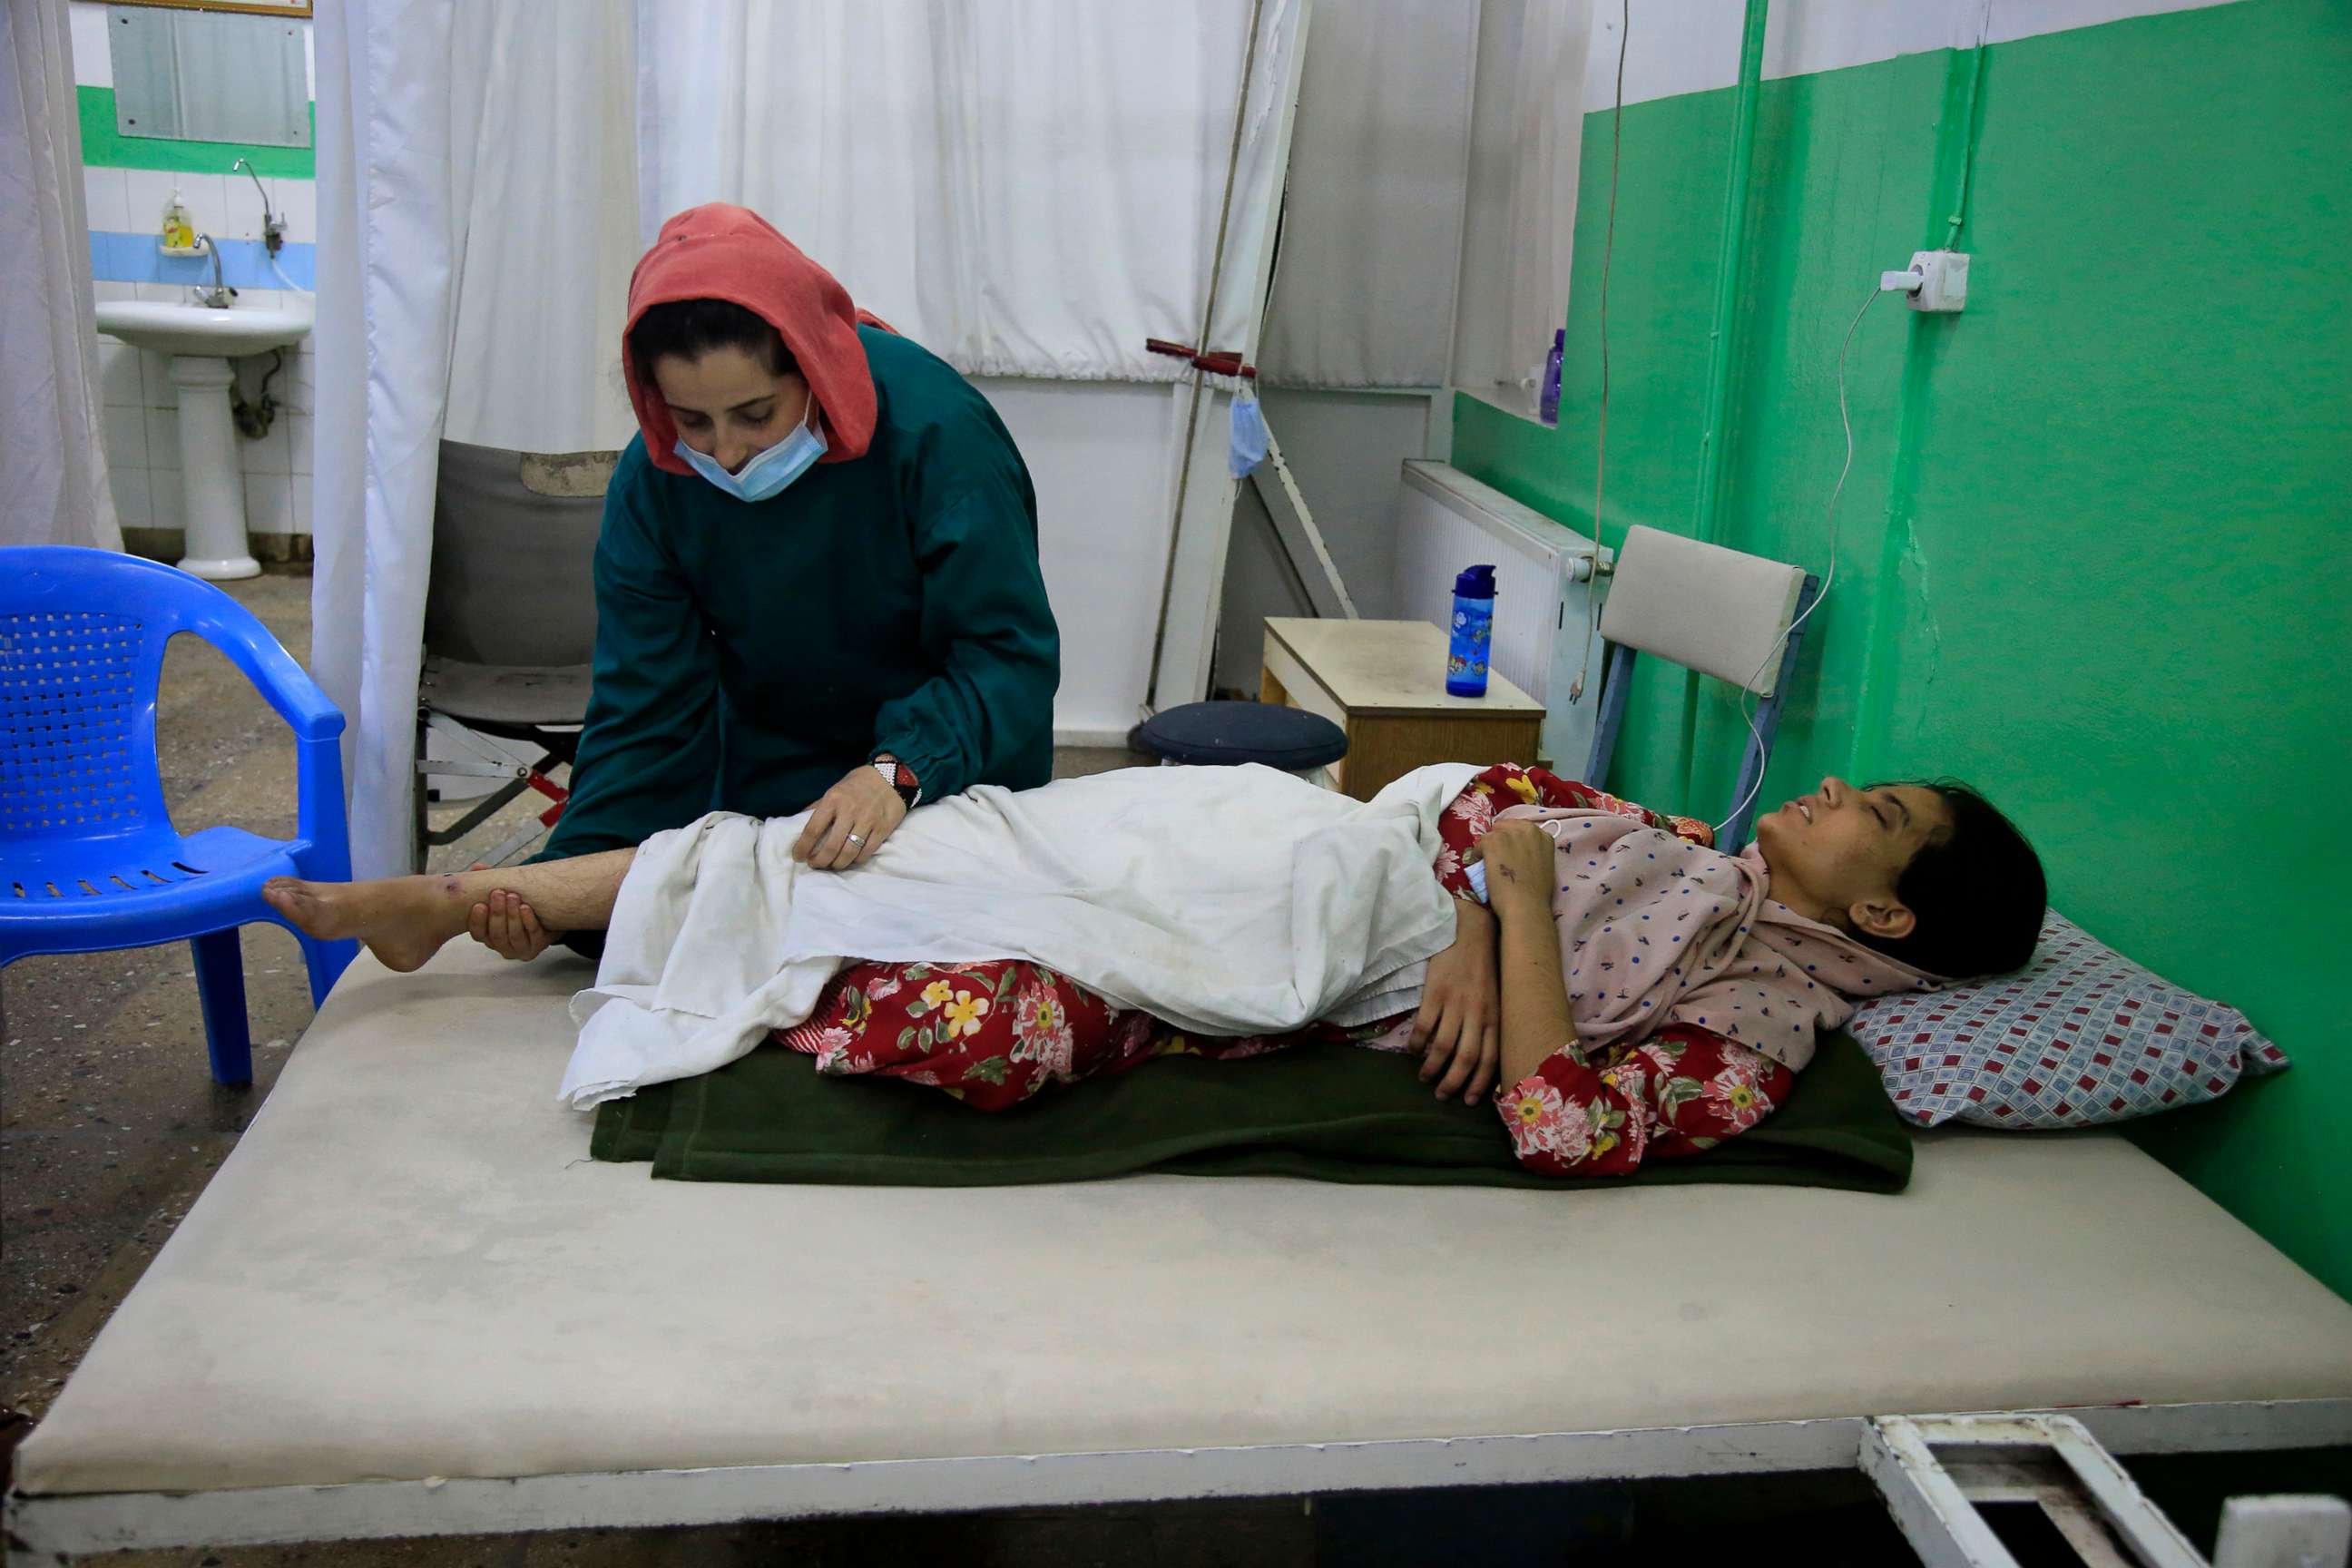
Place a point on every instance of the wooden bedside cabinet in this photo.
(1384, 683)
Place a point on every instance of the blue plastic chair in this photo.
(89, 859)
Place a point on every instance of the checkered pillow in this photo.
(2079, 1036)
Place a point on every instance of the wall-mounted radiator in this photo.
(1543, 574)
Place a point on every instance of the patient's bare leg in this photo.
(404, 920)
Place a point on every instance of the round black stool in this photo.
(1227, 734)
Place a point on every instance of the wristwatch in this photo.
(899, 777)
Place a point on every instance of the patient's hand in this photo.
(1520, 857)
(1458, 1031)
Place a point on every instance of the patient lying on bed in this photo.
(1638, 995)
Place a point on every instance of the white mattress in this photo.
(409, 1269)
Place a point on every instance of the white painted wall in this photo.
(86, 26)
(1693, 46)
(1344, 448)
(1519, 218)
(1097, 453)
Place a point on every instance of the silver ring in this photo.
(858, 839)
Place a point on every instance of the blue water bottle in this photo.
(1473, 633)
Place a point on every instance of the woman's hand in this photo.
(1458, 1032)
(1520, 857)
(850, 822)
(506, 925)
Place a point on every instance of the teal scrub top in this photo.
(750, 654)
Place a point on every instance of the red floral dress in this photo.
(992, 1034)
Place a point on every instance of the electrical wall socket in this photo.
(1945, 275)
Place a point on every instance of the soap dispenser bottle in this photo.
(178, 233)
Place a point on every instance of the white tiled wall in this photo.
(228, 206)
(143, 443)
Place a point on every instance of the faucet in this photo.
(273, 227)
(218, 297)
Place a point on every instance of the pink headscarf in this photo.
(1655, 929)
(722, 252)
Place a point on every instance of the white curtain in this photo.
(1371, 232)
(53, 487)
(474, 248)
(1550, 101)
(551, 232)
(1029, 187)
(400, 95)
(1026, 187)
(1521, 222)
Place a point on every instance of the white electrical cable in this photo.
(1828, 582)
(1601, 446)
(289, 283)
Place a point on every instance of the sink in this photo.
(194, 330)
(201, 342)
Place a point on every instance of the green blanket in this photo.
(1335, 1114)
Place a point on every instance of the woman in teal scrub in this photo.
(817, 580)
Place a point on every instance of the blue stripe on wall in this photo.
(245, 263)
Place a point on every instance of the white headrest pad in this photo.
(1703, 606)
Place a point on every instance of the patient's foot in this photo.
(404, 920)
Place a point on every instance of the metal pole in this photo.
(1208, 318)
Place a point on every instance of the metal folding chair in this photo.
(509, 629)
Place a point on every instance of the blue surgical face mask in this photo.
(770, 470)
(1246, 440)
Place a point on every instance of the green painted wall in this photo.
(2096, 550)
(103, 146)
